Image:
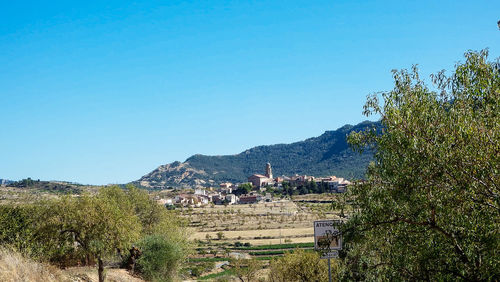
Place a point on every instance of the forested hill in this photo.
(328, 154)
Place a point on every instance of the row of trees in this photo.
(89, 229)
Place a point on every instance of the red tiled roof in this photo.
(259, 175)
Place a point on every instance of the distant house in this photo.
(227, 190)
(248, 199)
(259, 180)
(226, 185)
(334, 184)
(165, 202)
(231, 199)
(191, 200)
(183, 199)
(218, 199)
(298, 180)
(212, 197)
(200, 191)
(203, 200)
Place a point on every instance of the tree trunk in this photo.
(100, 270)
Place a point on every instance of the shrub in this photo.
(201, 268)
(220, 235)
(17, 226)
(299, 266)
(160, 258)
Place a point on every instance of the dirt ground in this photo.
(89, 274)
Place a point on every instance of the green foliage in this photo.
(17, 227)
(155, 219)
(244, 188)
(246, 269)
(97, 224)
(213, 276)
(47, 186)
(160, 258)
(89, 228)
(27, 182)
(430, 207)
(238, 244)
(299, 266)
(220, 235)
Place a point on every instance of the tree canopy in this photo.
(429, 209)
(92, 228)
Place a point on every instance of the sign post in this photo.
(327, 240)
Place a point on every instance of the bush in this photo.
(160, 258)
(17, 227)
(201, 268)
(300, 266)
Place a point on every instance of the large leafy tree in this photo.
(95, 227)
(429, 208)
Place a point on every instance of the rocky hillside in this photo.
(328, 154)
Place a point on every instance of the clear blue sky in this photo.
(104, 92)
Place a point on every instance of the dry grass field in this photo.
(14, 267)
(259, 223)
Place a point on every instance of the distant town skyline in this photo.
(100, 93)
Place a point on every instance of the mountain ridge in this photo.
(324, 155)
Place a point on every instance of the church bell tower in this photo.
(269, 171)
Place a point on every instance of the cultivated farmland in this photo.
(262, 230)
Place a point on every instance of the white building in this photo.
(200, 191)
(231, 198)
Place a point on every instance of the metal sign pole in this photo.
(329, 271)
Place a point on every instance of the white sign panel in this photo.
(332, 254)
(327, 237)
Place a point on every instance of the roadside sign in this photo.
(331, 254)
(328, 240)
(327, 236)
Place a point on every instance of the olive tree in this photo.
(429, 208)
(95, 227)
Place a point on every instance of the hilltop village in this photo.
(259, 188)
